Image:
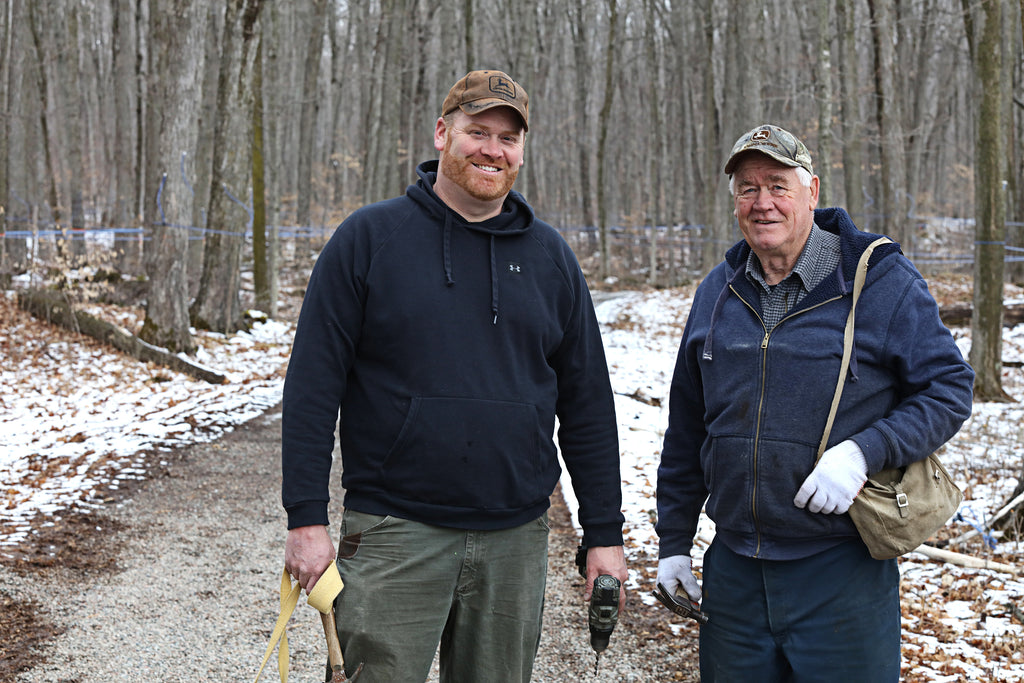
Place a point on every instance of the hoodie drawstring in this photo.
(716, 312)
(494, 284)
(448, 249)
(450, 280)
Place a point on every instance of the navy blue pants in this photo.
(834, 616)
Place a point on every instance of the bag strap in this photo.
(858, 285)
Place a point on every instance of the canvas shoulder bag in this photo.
(899, 508)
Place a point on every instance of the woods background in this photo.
(172, 139)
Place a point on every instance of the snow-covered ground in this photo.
(957, 623)
(78, 419)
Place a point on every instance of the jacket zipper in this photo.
(760, 402)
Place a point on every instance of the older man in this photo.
(789, 588)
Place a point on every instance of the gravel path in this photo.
(194, 561)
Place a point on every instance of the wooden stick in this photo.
(962, 560)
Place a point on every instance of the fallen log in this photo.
(52, 307)
(960, 314)
(962, 560)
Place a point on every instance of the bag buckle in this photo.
(903, 503)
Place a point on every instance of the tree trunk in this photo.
(851, 126)
(176, 60)
(579, 28)
(602, 136)
(823, 91)
(711, 141)
(467, 33)
(309, 109)
(217, 306)
(892, 171)
(6, 38)
(654, 179)
(70, 76)
(260, 260)
(52, 174)
(989, 198)
(125, 135)
(201, 166)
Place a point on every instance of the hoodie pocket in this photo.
(466, 453)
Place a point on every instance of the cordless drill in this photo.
(604, 612)
(604, 607)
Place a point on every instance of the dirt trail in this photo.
(179, 581)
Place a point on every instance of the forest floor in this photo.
(97, 542)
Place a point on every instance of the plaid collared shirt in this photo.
(818, 260)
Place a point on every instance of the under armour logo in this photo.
(514, 268)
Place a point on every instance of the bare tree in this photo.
(6, 20)
(218, 306)
(984, 30)
(310, 107)
(710, 142)
(578, 25)
(823, 88)
(176, 59)
(602, 136)
(261, 245)
(892, 172)
(125, 191)
(851, 126)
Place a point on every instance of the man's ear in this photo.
(440, 131)
(815, 187)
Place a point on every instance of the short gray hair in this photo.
(802, 174)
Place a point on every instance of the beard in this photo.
(460, 171)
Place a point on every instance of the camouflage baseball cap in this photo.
(479, 91)
(777, 143)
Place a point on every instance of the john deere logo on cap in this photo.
(762, 134)
(502, 86)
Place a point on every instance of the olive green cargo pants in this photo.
(411, 587)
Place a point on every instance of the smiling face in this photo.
(774, 209)
(480, 159)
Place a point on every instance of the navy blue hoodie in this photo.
(449, 348)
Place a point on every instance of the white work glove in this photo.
(835, 481)
(674, 572)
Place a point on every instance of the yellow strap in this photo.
(326, 589)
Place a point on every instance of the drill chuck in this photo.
(604, 611)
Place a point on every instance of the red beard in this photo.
(461, 172)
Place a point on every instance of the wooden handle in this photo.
(333, 644)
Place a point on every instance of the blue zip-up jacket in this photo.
(449, 348)
(748, 407)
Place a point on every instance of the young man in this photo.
(450, 327)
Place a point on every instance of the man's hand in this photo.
(308, 551)
(609, 560)
(675, 572)
(835, 481)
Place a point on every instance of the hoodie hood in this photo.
(516, 218)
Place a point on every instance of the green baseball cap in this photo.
(777, 143)
(479, 91)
